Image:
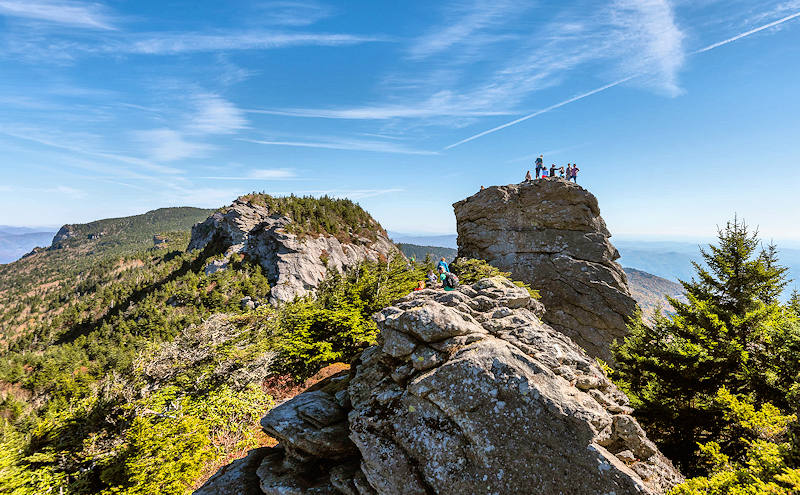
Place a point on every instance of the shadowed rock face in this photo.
(295, 266)
(549, 233)
(466, 392)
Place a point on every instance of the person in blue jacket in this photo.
(443, 264)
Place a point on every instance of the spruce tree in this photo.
(720, 337)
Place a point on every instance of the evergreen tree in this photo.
(721, 337)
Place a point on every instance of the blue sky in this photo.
(679, 113)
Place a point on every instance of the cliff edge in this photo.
(549, 234)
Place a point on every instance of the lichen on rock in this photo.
(499, 402)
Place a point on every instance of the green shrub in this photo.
(341, 218)
(470, 270)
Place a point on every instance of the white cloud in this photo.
(169, 145)
(347, 144)
(293, 13)
(176, 43)
(464, 23)
(259, 174)
(215, 115)
(645, 73)
(478, 72)
(70, 13)
(444, 103)
(650, 42)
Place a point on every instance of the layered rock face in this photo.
(294, 265)
(549, 234)
(467, 392)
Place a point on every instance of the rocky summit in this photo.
(466, 392)
(295, 263)
(549, 234)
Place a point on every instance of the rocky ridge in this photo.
(549, 234)
(295, 265)
(466, 392)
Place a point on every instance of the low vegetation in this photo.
(152, 373)
(341, 218)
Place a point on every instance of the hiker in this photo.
(552, 170)
(420, 285)
(528, 176)
(432, 278)
(442, 265)
(483, 188)
(561, 173)
(569, 172)
(449, 280)
(574, 173)
(539, 165)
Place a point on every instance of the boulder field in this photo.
(466, 391)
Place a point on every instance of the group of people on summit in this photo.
(571, 172)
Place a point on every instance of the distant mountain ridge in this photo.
(20, 240)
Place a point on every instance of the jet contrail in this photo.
(748, 33)
(539, 112)
(617, 83)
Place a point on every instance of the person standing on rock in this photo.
(574, 176)
(569, 172)
(539, 165)
(552, 171)
(443, 264)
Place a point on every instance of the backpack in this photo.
(451, 280)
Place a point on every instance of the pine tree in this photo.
(720, 337)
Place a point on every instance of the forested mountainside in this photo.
(127, 368)
(130, 367)
(82, 259)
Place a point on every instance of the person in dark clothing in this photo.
(552, 170)
(574, 177)
(539, 165)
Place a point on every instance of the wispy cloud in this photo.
(293, 13)
(169, 145)
(347, 144)
(70, 13)
(210, 115)
(176, 43)
(83, 144)
(618, 82)
(444, 103)
(748, 33)
(457, 70)
(215, 115)
(464, 24)
(259, 174)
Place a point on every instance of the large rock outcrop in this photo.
(549, 234)
(466, 392)
(294, 264)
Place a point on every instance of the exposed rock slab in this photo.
(549, 234)
(465, 394)
(294, 265)
(236, 478)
